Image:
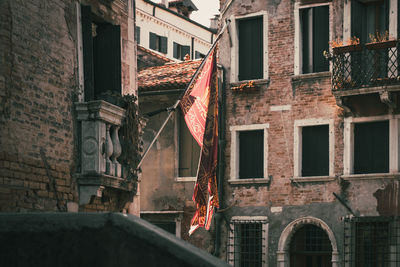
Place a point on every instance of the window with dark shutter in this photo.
(197, 54)
(315, 38)
(153, 41)
(158, 43)
(180, 51)
(185, 51)
(250, 48)
(251, 154)
(101, 56)
(107, 59)
(137, 34)
(189, 150)
(371, 147)
(315, 150)
(163, 44)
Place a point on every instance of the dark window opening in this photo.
(248, 244)
(158, 43)
(369, 18)
(251, 57)
(372, 241)
(189, 150)
(137, 34)
(371, 147)
(170, 227)
(180, 51)
(199, 55)
(314, 23)
(315, 150)
(310, 246)
(251, 154)
(101, 56)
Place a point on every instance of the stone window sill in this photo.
(371, 176)
(316, 75)
(185, 179)
(249, 181)
(313, 179)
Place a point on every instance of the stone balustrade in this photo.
(100, 147)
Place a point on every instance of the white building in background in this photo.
(167, 29)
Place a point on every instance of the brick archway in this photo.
(286, 237)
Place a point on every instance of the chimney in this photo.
(214, 22)
(164, 3)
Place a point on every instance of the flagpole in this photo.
(173, 108)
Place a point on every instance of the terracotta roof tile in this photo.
(169, 76)
(164, 58)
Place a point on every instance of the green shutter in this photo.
(320, 38)
(251, 48)
(371, 147)
(164, 44)
(87, 41)
(107, 55)
(315, 150)
(153, 40)
(185, 51)
(137, 34)
(175, 52)
(251, 154)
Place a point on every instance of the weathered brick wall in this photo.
(39, 84)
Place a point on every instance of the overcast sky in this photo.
(206, 10)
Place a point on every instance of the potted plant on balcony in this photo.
(381, 41)
(352, 44)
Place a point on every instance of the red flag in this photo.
(200, 108)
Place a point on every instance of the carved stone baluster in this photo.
(117, 150)
(109, 152)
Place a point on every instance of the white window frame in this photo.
(348, 153)
(234, 34)
(175, 216)
(234, 177)
(248, 219)
(298, 148)
(298, 59)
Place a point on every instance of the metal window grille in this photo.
(372, 241)
(247, 244)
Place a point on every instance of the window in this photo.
(369, 17)
(189, 150)
(137, 34)
(101, 56)
(314, 38)
(372, 241)
(315, 151)
(310, 246)
(371, 146)
(169, 221)
(197, 55)
(180, 51)
(158, 43)
(248, 242)
(249, 149)
(249, 51)
(313, 148)
(250, 32)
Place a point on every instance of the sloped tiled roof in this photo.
(169, 76)
(152, 53)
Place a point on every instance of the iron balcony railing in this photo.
(369, 65)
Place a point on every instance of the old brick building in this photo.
(312, 144)
(64, 65)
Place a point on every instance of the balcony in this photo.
(367, 73)
(101, 150)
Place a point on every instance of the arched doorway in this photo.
(310, 247)
(285, 241)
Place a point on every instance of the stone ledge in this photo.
(317, 75)
(313, 179)
(371, 176)
(249, 181)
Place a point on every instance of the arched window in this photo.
(310, 246)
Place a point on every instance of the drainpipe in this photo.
(221, 159)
